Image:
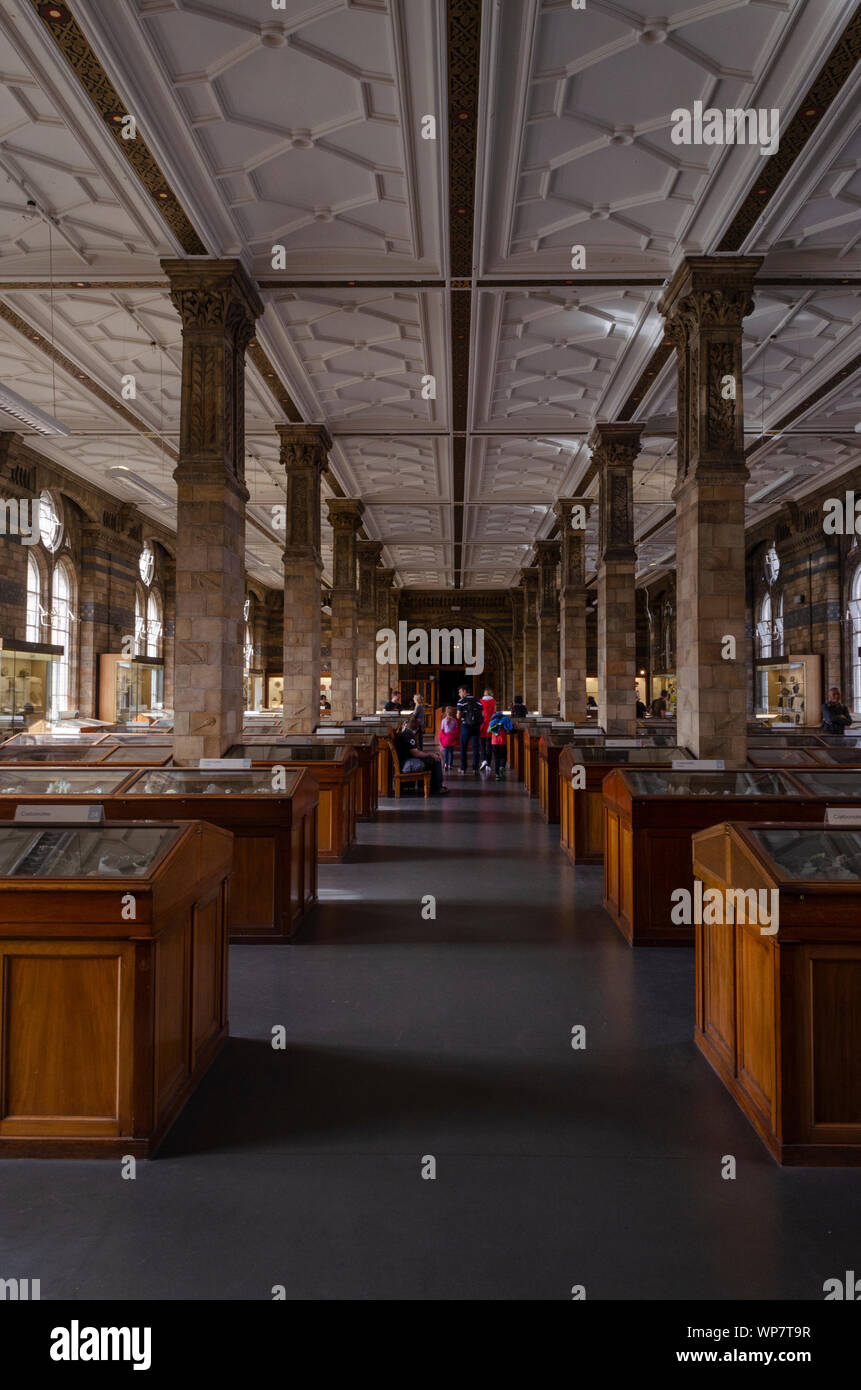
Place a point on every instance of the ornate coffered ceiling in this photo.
(302, 128)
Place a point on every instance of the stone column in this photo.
(369, 553)
(94, 618)
(516, 642)
(345, 515)
(548, 627)
(529, 667)
(572, 609)
(387, 616)
(705, 305)
(304, 456)
(614, 448)
(218, 306)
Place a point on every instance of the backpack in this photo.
(500, 723)
(472, 714)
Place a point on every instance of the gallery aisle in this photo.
(416, 1043)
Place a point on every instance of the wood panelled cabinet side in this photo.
(113, 999)
(778, 1013)
(336, 780)
(648, 841)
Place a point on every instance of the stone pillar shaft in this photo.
(345, 515)
(614, 448)
(548, 627)
(529, 658)
(369, 553)
(572, 606)
(218, 307)
(705, 306)
(387, 616)
(304, 450)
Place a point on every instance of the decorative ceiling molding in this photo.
(73, 44)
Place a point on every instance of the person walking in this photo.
(448, 736)
(419, 716)
(470, 714)
(488, 704)
(835, 715)
(500, 727)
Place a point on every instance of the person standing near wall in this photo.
(470, 713)
(419, 716)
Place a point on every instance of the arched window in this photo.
(855, 629)
(62, 618)
(50, 523)
(248, 637)
(763, 626)
(154, 625)
(140, 622)
(34, 601)
(769, 619)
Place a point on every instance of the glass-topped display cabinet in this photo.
(139, 755)
(27, 683)
(836, 785)
(840, 757)
(130, 687)
(273, 817)
(25, 783)
(108, 851)
(580, 775)
(550, 747)
(58, 753)
(335, 769)
(52, 740)
(649, 817)
(99, 992)
(781, 757)
(789, 688)
(777, 991)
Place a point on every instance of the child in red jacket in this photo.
(448, 736)
(488, 704)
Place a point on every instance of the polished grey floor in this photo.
(410, 1039)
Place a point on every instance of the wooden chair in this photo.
(400, 778)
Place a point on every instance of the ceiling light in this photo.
(123, 475)
(29, 414)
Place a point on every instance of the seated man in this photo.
(411, 760)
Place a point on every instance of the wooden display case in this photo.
(130, 687)
(849, 756)
(531, 735)
(549, 750)
(778, 1016)
(581, 810)
(107, 1022)
(53, 754)
(649, 817)
(274, 880)
(789, 687)
(335, 768)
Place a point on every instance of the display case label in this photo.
(224, 764)
(60, 815)
(843, 815)
(698, 765)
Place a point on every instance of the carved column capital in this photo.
(345, 518)
(304, 458)
(705, 305)
(368, 553)
(547, 555)
(615, 445)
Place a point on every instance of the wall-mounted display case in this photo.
(275, 691)
(253, 687)
(124, 1010)
(581, 814)
(274, 880)
(130, 687)
(335, 768)
(649, 817)
(777, 1013)
(664, 681)
(789, 687)
(27, 683)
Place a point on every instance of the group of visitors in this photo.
(658, 709)
(472, 723)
